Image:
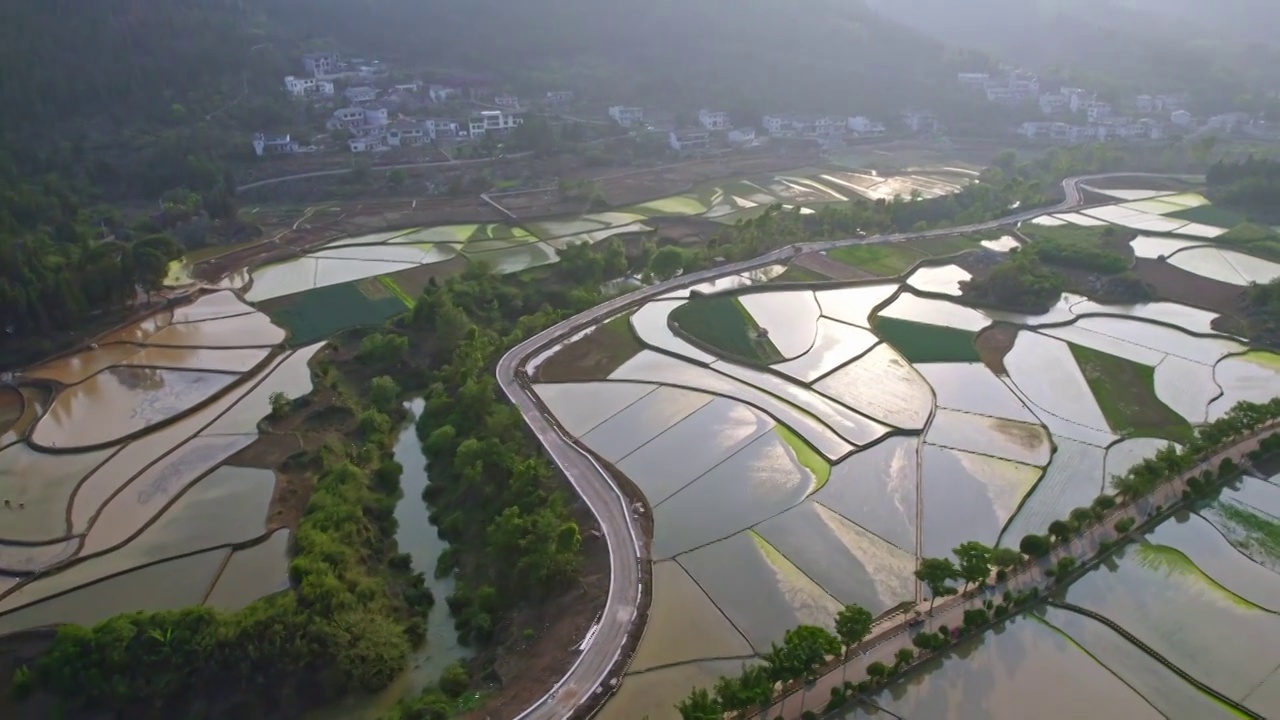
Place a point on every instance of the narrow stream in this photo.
(416, 536)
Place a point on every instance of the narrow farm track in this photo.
(602, 662)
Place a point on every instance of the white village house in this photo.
(626, 116)
(489, 121)
(713, 120)
(305, 86)
(360, 94)
(264, 144)
(689, 139)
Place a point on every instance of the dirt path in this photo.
(894, 634)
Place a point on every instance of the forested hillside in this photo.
(801, 55)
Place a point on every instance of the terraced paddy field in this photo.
(874, 434)
(120, 492)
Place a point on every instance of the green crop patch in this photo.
(1125, 391)
(1215, 215)
(921, 343)
(886, 260)
(316, 314)
(722, 323)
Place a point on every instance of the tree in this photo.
(280, 405)
(729, 695)
(936, 573)
(699, 705)
(853, 624)
(1081, 517)
(667, 262)
(975, 562)
(1061, 530)
(384, 349)
(903, 656)
(1035, 546)
(1005, 558)
(877, 670)
(804, 648)
(1103, 503)
(454, 679)
(756, 685)
(384, 393)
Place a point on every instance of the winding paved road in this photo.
(597, 667)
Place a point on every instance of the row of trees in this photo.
(355, 611)
(973, 564)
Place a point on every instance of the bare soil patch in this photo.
(1173, 283)
(994, 343)
(825, 266)
(414, 280)
(524, 668)
(11, 404)
(593, 356)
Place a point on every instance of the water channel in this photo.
(418, 537)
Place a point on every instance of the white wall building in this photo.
(348, 118)
(559, 97)
(713, 119)
(492, 121)
(689, 140)
(626, 116)
(319, 64)
(863, 125)
(304, 86)
(1181, 118)
(506, 101)
(1052, 103)
(742, 136)
(406, 133)
(264, 144)
(974, 80)
(441, 93)
(360, 94)
(918, 122)
(368, 143)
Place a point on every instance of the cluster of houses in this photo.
(713, 124)
(1084, 116)
(374, 113)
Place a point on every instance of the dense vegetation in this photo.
(1092, 261)
(354, 614)
(681, 54)
(134, 98)
(60, 262)
(1251, 186)
(1262, 303)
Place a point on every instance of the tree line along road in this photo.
(599, 666)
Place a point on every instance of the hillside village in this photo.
(1077, 115)
(372, 108)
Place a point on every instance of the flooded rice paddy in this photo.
(117, 495)
(922, 457)
(1022, 669)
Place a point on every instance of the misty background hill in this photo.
(1215, 50)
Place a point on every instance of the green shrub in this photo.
(454, 679)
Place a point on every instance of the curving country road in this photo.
(596, 669)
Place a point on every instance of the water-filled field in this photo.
(118, 495)
(910, 443)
